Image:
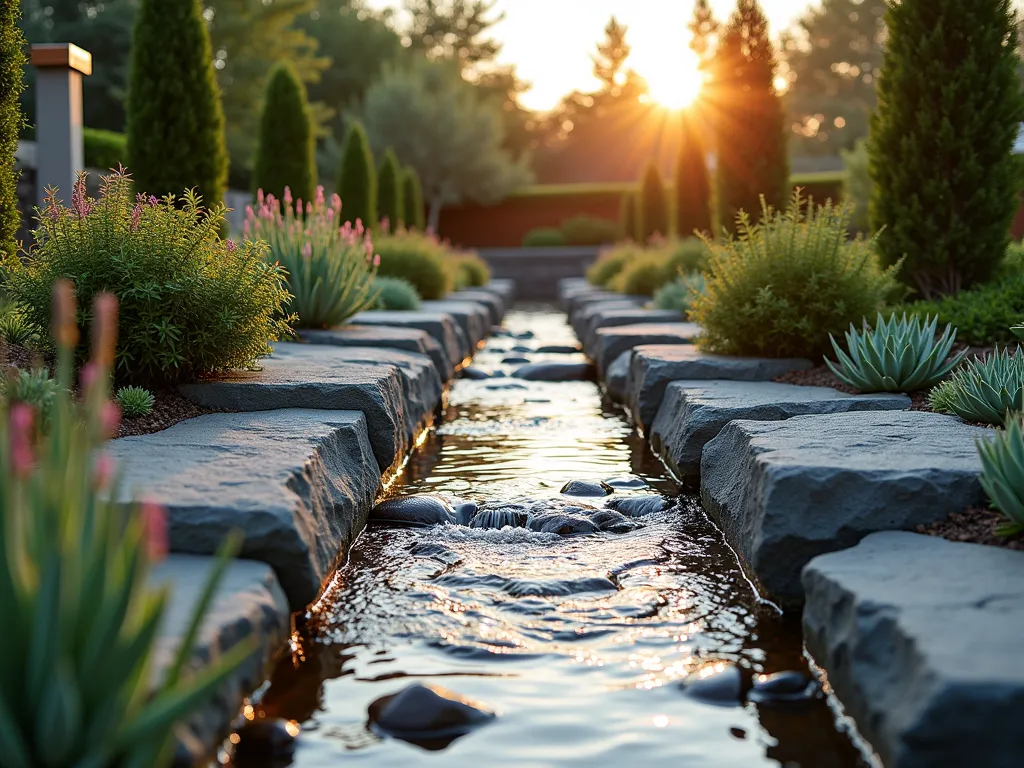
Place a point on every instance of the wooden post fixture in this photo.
(59, 151)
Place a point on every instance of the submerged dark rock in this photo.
(626, 483)
(609, 520)
(515, 360)
(465, 512)
(784, 688)
(474, 373)
(587, 488)
(413, 510)
(520, 348)
(557, 372)
(722, 687)
(558, 349)
(638, 506)
(560, 587)
(562, 524)
(269, 740)
(429, 716)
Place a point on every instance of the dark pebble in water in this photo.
(556, 372)
(587, 488)
(557, 349)
(500, 333)
(514, 360)
(638, 506)
(474, 374)
(436, 552)
(414, 510)
(563, 525)
(509, 385)
(525, 335)
(613, 522)
(520, 348)
(268, 739)
(627, 483)
(499, 518)
(739, 733)
(783, 687)
(423, 713)
(723, 688)
(464, 512)
(560, 587)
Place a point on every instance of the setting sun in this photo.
(672, 74)
(676, 90)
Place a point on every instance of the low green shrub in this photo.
(642, 276)
(330, 268)
(680, 294)
(105, 150)
(897, 355)
(589, 230)
(34, 388)
(395, 293)
(982, 315)
(191, 303)
(468, 269)
(1002, 474)
(611, 262)
(418, 258)
(684, 256)
(135, 401)
(544, 237)
(784, 285)
(983, 390)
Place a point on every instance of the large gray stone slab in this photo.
(609, 343)
(504, 287)
(249, 607)
(473, 317)
(384, 337)
(694, 412)
(613, 318)
(297, 483)
(784, 492)
(580, 319)
(300, 376)
(616, 377)
(494, 302)
(653, 367)
(920, 638)
(568, 285)
(440, 325)
(577, 301)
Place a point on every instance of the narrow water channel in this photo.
(579, 642)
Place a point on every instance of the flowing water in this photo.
(578, 643)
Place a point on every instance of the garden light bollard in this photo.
(59, 151)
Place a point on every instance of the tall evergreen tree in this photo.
(357, 178)
(389, 189)
(175, 122)
(652, 212)
(693, 186)
(412, 200)
(747, 118)
(285, 155)
(627, 216)
(949, 109)
(12, 62)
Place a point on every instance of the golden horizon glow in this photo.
(674, 79)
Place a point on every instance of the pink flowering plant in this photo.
(191, 303)
(80, 614)
(330, 264)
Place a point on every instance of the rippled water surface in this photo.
(577, 642)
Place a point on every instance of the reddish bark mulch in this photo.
(20, 357)
(976, 526)
(821, 376)
(170, 408)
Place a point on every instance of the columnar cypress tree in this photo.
(946, 183)
(748, 119)
(412, 199)
(652, 212)
(175, 124)
(285, 155)
(389, 190)
(12, 61)
(357, 178)
(627, 216)
(693, 187)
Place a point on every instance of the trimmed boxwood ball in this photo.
(395, 293)
(286, 154)
(417, 258)
(642, 276)
(611, 263)
(357, 179)
(469, 270)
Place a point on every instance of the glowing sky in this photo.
(550, 41)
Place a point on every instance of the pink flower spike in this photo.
(319, 195)
(21, 418)
(103, 470)
(136, 215)
(110, 419)
(88, 374)
(376, 259)
(154, 530)
(287, 195)
(231, 246)
(385, 225)
(336, 201)
(153, 202)
(307, 250)
(259, 196)
(309, 206)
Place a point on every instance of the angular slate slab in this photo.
(568, 285)
(784, 492)
(694, 412)
(249, 606)
(440, 325)
(616, 376)
(613, 318)
(578, 301)
(494, 302)
(920, 638)
(321, 377)
(503, 287)
(609, 343)
(473, 317)
(384, 337)
(654, 366)
(298, 483)
(581, 318)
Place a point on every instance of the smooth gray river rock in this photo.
(587, 488)
(784, 492)
(421, 712)
(920, 638)
(414, 510)
(562, 523)
(440, 325)
(721, 688)
(297, 483)
(609, 343)
(556, 372)
(694, 412)
(385, 337)
(638, 506)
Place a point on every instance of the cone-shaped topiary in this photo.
(12, 61)
(652, 212)
(949, 107)
(389, 190)
(285, 155)
(357, 179)
(412, 199)
(175, 122)
(693, 187)
(627, 216)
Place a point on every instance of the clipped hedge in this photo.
(104, 150)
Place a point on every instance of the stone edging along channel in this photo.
(816, 492)
(295, 463)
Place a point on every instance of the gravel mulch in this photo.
(975, 525)
(169, 408)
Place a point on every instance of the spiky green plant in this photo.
(983, 390)
(330, 267)
(897, 355)
(135, 401)
(81, 617)
(1002, 474)
(34, 388)
(15, 327)
(395, 293)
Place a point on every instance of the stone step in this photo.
(784, 492)
(473, 318)
(601, 316)
(298, 483)
(494, 302)
(440, 325)
(609, 343)
(503, 287)
(384, 337)
(920, 638)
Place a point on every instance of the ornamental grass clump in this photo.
(135, 401)
(330, 263)
(983, 390)
(1002, 474)
(783, 285)
(190, 302)
(897, 355)
(81, 618)
(34, 388)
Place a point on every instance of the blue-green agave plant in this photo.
(983, 390)
(897, 355)
(1002, 474)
